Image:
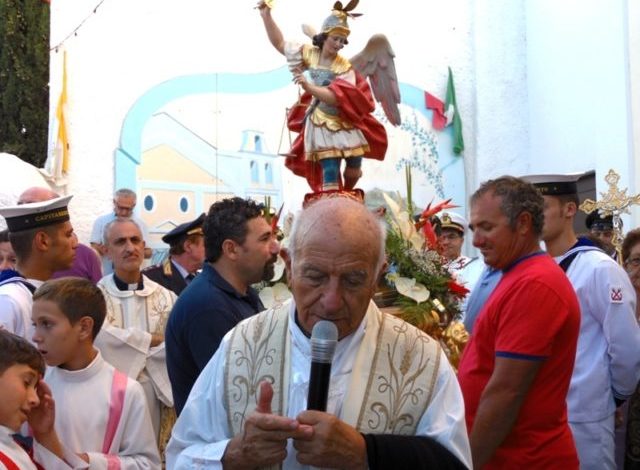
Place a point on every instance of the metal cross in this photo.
(614, 202)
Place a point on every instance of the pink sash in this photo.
(118, 390)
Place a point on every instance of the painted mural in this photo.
(191, 141)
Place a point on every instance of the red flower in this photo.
(456, 288)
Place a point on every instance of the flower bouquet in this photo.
(428, 295)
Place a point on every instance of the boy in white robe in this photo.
(102, 414)
(23, 395)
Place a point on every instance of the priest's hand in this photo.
(264, 437)
(333, 443)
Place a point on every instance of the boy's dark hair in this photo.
(227, 220)
(76, 298)
(4, 236)
(17, 350)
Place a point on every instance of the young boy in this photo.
(101, 413)
(24, 396)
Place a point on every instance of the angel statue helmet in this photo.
(334, 116)
(336, 22)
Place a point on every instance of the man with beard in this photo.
(240, 250)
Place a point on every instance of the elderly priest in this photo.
(393, 400)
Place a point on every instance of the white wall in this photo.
(633, 55)
(127, 47)
(543, 86)
(500, 112)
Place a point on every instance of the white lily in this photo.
(412, 289)
(276, 295)
(403, 223)
(278, 269)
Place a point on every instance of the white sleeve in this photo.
(293, 53)
(48, 459)
(201, 434)
(137, 448)
(124, 348)
(11, 316)
(96, 232)
(157, 369)
(444, 419)
(615, 300)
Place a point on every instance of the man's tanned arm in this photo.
(500, 404)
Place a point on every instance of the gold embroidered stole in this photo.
(391, 385)
(258, 350)
(393, 377)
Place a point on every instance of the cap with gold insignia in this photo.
(454, 221)
(554, 185)
(36, 214)
(184, 230)
(595, 221)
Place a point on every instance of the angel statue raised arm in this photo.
(334, 116)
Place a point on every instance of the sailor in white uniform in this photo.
(607, 367)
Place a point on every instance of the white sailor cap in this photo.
(36, 214)
(454, 221)
(554, 185)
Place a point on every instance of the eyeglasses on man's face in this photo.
(632, 262)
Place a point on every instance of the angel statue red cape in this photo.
(334, 116)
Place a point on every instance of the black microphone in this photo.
(324, 338)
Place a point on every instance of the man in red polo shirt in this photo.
(516, 369)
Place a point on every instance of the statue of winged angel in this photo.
(334, 115)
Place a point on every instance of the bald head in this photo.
(345, 221)
(335, 257)
(36, 194)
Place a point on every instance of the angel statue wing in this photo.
(376, 63)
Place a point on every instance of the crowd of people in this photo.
(190, 369)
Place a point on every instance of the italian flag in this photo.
(445, 114)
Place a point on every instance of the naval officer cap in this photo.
(184, 230)
(36, 214)
(453, 220)
(554, 185)
(595, 221)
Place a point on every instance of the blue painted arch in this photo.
(128, 154)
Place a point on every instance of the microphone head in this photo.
(324, 339)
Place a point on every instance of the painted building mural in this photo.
(184, 146)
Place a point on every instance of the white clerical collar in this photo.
(304, 343)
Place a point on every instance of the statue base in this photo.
(355, 194)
